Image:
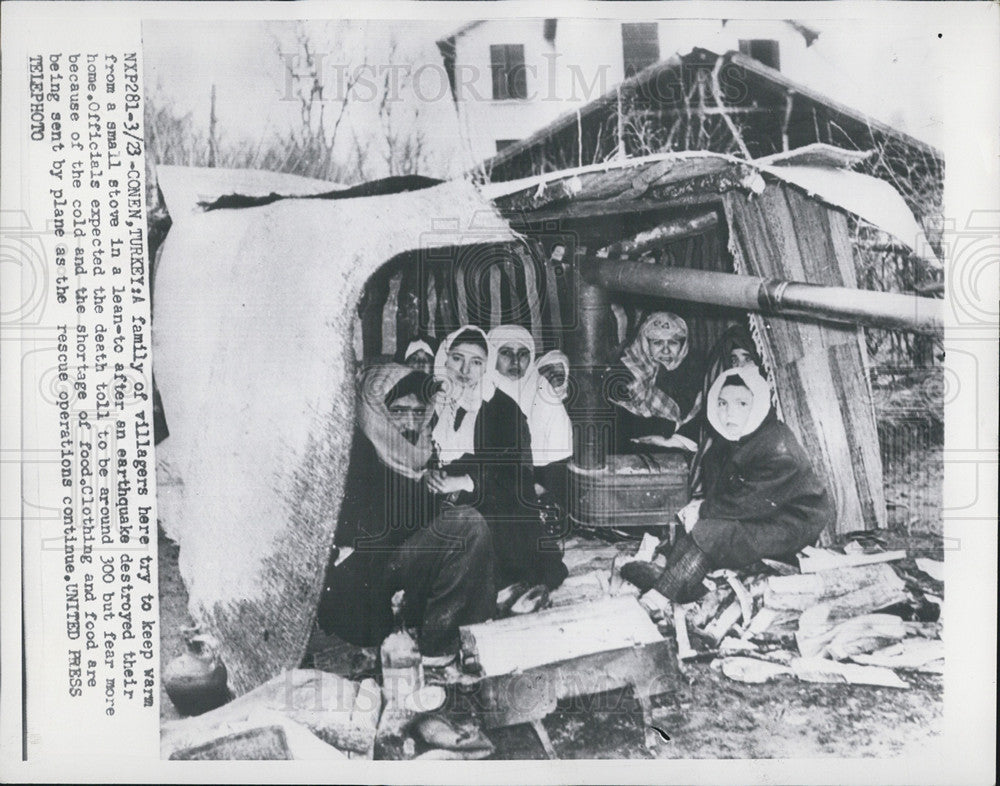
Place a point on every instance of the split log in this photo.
(753, 670)
(772, 621)
(816, 560)
(915, 654)
(826, 615)
(708, 607)
(724, 623)
(931, 567)
(563, 633)
(684, 649)
(866, 633)
(731, 646)
(779, 567)
(802, 591)
(660, 236)
(823, 670)
(365, 715)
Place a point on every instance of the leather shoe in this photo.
(644, 575)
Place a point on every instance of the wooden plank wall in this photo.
(820, 369)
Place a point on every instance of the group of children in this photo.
(459, 448)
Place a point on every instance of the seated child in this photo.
(761, 495)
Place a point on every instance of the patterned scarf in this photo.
(393, 449)
(643, 397)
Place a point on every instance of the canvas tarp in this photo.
(252, 331)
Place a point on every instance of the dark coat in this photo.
(683, 385)
(762, 498)
(502, 471)
(380, 510)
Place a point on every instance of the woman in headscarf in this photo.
(484, 445)
(762, 496)
(418, 353)
(734, 349)
(396, 534)
(518, 374)
(656, 390)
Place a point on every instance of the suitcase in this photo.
(632, 491)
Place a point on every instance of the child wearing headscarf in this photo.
(418, 353)
(484, 444)
(656, 389)
(762, 496)
(397, 534)
(734, 349)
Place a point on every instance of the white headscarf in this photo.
(758, 409)
(521, 390)
(454, 443)
(549, 425)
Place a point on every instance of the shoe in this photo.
(439, 732)
(508, 596)
(534, 599)
(644, 575)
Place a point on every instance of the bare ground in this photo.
(708, 715)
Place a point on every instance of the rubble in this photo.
(853, 617)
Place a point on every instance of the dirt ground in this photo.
(708, 715)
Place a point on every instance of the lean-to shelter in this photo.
(264, 307)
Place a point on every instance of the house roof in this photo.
(810, 34)
(761, 78)
(822, 171)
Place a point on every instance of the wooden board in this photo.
(820, 370)
(559, 634)
(522, 697)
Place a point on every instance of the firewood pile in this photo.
(861, 615)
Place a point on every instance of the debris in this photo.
(823, 670)
(438, 732)
(655, 604)
(931, 567)
(802, 591)
(707, 608)
(321, 702)
(915, 654)
(779, 567)
(427, 699)
(731, 646)
(724, 622)
(771, 620)
(439, 754)
(864, 633)
(742, 596)
(752, 670)
(684, 649)
(531, 601)
(813, 560)
(647, 548)
(365, 715)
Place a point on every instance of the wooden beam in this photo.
(660, 235)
